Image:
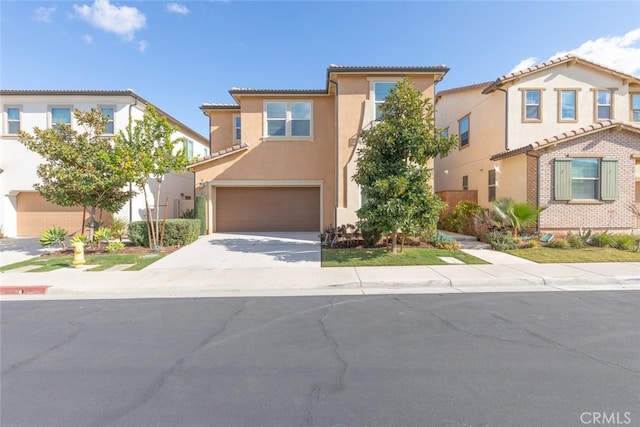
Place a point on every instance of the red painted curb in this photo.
(21, 290)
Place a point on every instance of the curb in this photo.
(23, 290)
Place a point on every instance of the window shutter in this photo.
(609, 190)
(562, 181)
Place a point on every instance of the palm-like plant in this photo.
(517, 215)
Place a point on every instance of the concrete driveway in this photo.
(20, 249)
(246, 251)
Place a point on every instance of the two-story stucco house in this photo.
(283, 160)
(563, 135)
(24, 212)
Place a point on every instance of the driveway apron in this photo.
(246, 251)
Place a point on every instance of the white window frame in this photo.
(468, 119)
(113, 119)
(525, 104)
(6, 121)
(372, 91)
(597, 179)
(188, 144)
(575, 105)
(633, 95)
(288, 120)
(237, 128)
(596, 104)
(50, 108)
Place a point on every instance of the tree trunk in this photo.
(84, 215)
(150, 232)
(394, 242)
(157, 229)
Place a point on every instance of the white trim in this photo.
(113, 119)
(235, 128)
(5, 120)
(50, 118)
(288, 120)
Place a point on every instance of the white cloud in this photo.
(618, 52)
(524, 64)
(121, 20)
(177, 8)
(87, 39)
(43, 14)
(143, 45)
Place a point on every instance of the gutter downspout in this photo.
(130, 185)
(506, 118)
(335, 210)
(537, 186)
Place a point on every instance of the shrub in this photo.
(460, 220)
(114, 247)
(484, 222)
(527, 244)
(500, 240)
(574, 241)
(585, 236)
(178, 232)
(188, 214)
(119, 227)
(200, 212)
(601, 240)
(442, 241)
(80, 238)
(53, 236)
(624, 242)
(558, 243)
(370, 234)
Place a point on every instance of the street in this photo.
(488, 359)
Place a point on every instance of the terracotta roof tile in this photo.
(215, 155)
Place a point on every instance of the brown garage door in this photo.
(35, 215)
(267, 208)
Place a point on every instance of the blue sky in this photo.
(179, 55)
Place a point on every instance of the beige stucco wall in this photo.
(511, 178)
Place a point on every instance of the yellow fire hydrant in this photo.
(78, 254)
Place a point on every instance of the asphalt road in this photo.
(522, 359)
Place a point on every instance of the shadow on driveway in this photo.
(287, 248)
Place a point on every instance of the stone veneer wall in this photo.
(603, 215)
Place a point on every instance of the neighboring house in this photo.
(563, 135)
(24, 212)
(283, 160)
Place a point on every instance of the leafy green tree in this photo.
(80, 167)
(148, 151)
(392, 165)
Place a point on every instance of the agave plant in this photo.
(54, 236)
(517, 215)
(119, 227)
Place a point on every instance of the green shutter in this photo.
(562, 180)
(609, 189)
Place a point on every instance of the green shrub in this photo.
(558, 243)
(200, 212)
(624, 242)
(53, 236)
(442, 241)
(527, 244)
(188, 214)
(114, 247)
(601, 240)
(575, 241)
(499, 240)
(178, 232)
(460, 220)
(370, 235)
(118, 227)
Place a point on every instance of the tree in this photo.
(147, 151)
(392, 165)
(518, 215)
(80, 168)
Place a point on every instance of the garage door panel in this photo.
(267, 209)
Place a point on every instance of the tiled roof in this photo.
(222, 153)
(565, 136)
(250, 91)
(463, 88)
(552, 63)
(208, 106)
(387, 69)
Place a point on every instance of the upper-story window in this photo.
(532, 110)
(188, 149)
(288, 119)
(59, 116)
(604, 104)
(568, 107)
(463, 131)
(12, 126)
(109, 127)
(465, 182)
(635, 107)
(237, 127)
(491, 175)
(381, 91)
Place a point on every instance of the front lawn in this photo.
(378, 257)
(571, 255)
(101, 262)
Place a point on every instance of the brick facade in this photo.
(615, 215)
(532, 180)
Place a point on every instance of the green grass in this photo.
(101, 262)
(381, 257)
(588, 254)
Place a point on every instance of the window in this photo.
(492, 185)
(568, 105)
(532, 105)
(465, 182)
(463, 131)
(288, 119)
(603, 105)
(108, 127)
(445, 133)
(586, 178)
(635, 107)
(13, 121)
(381, 91)
(237, 128)
(59, 116)
(188, 149)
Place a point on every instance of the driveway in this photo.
(245, 251)
(20, 249)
